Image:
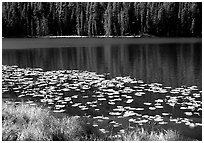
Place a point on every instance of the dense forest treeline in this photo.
(102, 18)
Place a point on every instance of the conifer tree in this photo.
(94, 18)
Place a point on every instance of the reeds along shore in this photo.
(25, 122)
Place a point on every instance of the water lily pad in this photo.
(188, 113)
(101, 99)
(139, 94)
(22, 95)
(152, 108)
(128, 113)
(183, 108)
(95, 125)
(75, 96)
(139, 109)
(159, 107)
(159, 100)
(115, 113)
(165, 114)
(146, 103)
(163, 123)
(58, 111)
(129, 101)
(111, 103)
(116, 125)
(59, 106)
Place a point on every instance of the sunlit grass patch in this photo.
(24, 122)
(142, 134)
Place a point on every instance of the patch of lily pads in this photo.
(111, 102)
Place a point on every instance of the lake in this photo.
(172, 64)
(161, 78)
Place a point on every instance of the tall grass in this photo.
(24, 122)
(140, 134)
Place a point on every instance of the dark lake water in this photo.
(173, 64)
(168, 63)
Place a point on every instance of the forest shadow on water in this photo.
(173, 64)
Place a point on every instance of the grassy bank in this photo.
(25, 122)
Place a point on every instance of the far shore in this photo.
(84, 41)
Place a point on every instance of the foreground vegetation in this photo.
(25, 122)
(102, 18)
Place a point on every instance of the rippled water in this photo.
(164, 84)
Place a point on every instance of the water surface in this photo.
(176, 63)
(174, 67)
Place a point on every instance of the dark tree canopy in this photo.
(169, 19)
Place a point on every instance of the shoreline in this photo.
(100, 36)
(73, 41)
